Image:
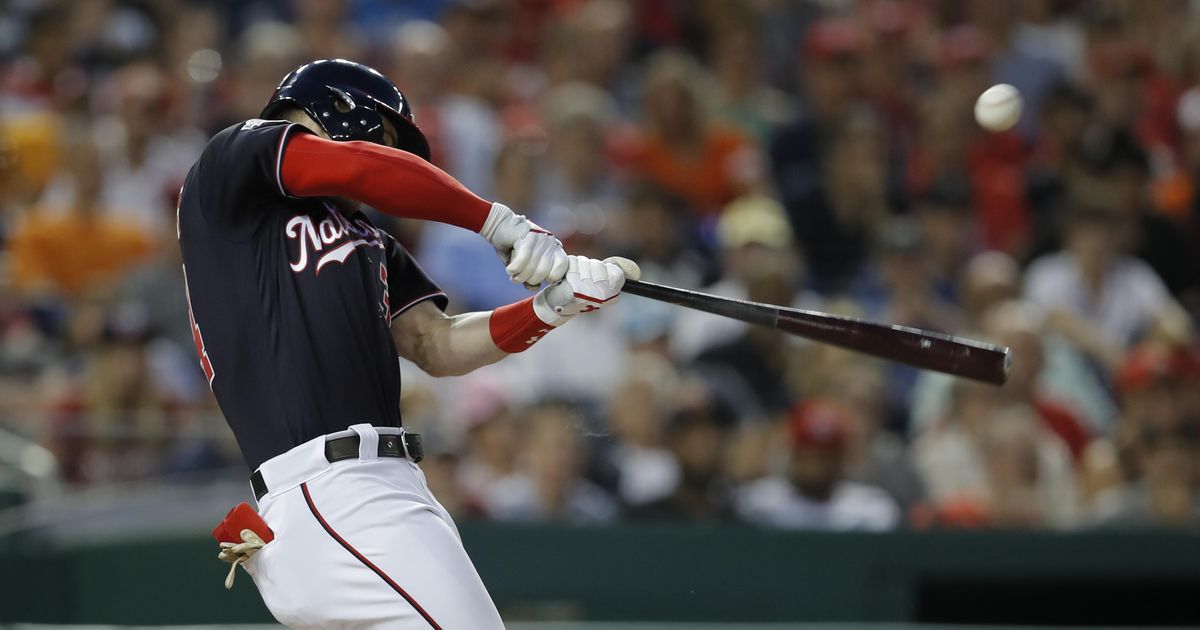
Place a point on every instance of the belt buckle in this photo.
(409, 454)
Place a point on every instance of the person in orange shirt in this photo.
(72, 250)
(679, 150)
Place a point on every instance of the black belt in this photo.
(347, 448)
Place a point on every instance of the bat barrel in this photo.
(919, 348)
(911, 346)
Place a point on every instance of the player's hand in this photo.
(532, 255)
(589, 285)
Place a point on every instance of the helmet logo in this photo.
(344, 102)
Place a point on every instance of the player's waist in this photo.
(362, 442)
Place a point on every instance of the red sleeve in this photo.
(392, 181)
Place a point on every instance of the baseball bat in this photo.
(911, 346)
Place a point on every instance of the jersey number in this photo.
(197, 337)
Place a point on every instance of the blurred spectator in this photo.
(548, 486)
(78, 246)
(1098, 297)
(831, 55)
(1147, 474)
(1016, 326)
(646, 470)
(658, 231)
(750, 371)
(697, 437)
(682, 151)
(875, 455)
(114, 422)
(490, 457)
(143, 159)
(577, 193)
(741, 97)
(815, 494)
(753, 233)
(947, 235)
(266, 52)
(993, 463)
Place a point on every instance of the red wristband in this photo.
(516, 326)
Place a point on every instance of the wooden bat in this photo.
(911, 346)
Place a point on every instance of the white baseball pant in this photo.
(362, 544)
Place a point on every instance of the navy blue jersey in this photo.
(291, 299)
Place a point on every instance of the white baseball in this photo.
(999, 107)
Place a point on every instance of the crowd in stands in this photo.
(814, 153)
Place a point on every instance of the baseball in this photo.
(998, 108)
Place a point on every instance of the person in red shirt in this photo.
(679, 150)
(1014, 325)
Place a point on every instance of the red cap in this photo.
(962, 45)
(833, 37)
(1150, 363)
(821, 424)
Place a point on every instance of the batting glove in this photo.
(589, 285)
(531, 254)
(238, 553)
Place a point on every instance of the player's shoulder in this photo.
(244, 129)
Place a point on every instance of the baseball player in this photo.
(299, 308)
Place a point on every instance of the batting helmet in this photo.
(349, 101)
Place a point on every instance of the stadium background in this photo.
(664, 466)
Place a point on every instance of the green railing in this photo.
(679, 573)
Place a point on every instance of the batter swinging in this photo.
(299, 307)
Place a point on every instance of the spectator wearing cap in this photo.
(1096, 296)
(753, 231)
(815, 493)
(1146, 474)
(751, 370)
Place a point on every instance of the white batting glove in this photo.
(531, 254)
(238, 553)
(589, 285)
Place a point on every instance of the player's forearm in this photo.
(443, 345)
(389, 180)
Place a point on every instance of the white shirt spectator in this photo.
(646, 474)
(775, 502)
(515, 499)
(1131, 295)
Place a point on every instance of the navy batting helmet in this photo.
(349, 101)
